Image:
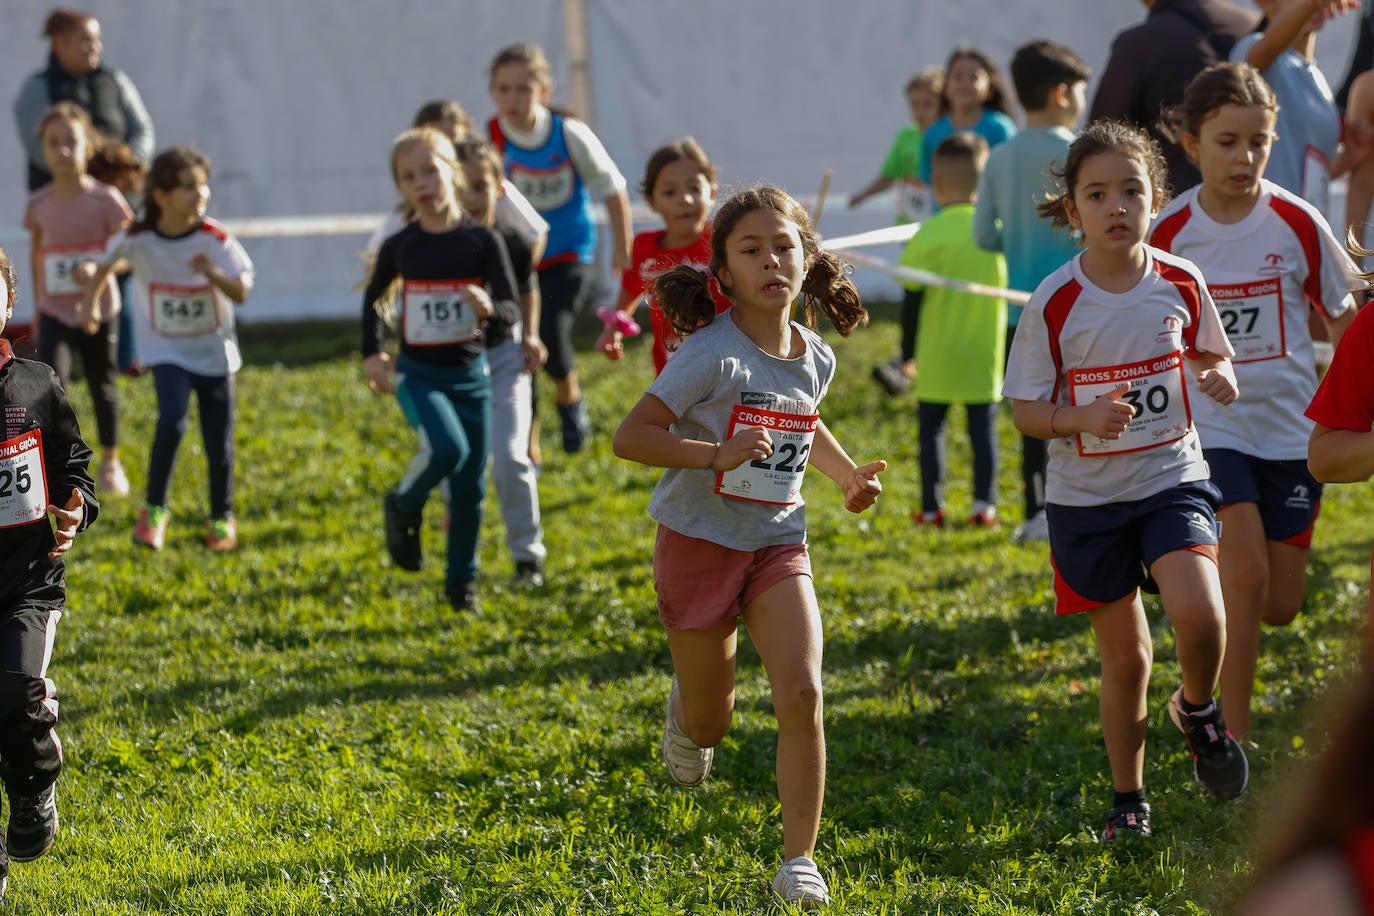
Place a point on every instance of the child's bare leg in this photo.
(1190, 590)
(1244, 573)
(1287, 582)
(704, 663)
(1123, 641)
(785, 626)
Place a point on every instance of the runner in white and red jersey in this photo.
(1269, 258)
(1100, 366)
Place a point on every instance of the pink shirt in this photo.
(67, 233)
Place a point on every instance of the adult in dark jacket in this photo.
(1152, 63)
(76, 73)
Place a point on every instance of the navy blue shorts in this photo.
(1103, 553)
(1288, 496)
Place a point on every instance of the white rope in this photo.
(926, 278)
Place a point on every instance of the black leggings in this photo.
(564, 289)
(57, 343)
(216, 396)
(1035, 458)
(982, 433)
(30, 754)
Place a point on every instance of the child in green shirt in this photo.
(903, 162)
(961, 336)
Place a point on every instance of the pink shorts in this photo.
(701, 584)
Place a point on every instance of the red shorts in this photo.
(701, 584)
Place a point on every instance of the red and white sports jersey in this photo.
(1077, 341)
(1264, 273)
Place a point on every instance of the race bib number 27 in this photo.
(776, 479)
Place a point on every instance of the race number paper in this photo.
(776, 479)
(59, 261)
(183, 310)
(545, 189)
(1252, 314)
(1157, 393)
(433, 314)
(23, 480)
(916, 203)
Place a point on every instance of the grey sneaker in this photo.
(687, 763)
(1218, 761)
(1036, 528)
(33, 824)
(799, 881)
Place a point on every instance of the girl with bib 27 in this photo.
(734, 419)
(1270, 261)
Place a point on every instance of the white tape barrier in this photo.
(926, 278)
(888, 235)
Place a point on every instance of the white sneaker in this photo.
(799, 881)
(112, 479)
(1036, 528)
(687, 762)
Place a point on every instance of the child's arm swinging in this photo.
(859, 483)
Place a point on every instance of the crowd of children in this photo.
(1162, 376)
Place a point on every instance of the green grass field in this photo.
(301, 728)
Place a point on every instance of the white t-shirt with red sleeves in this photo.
(1077, 341)
(1264, 273)
(182, 318)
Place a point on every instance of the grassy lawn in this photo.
(301, 728)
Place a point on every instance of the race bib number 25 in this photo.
(23, 481)
(776, 479)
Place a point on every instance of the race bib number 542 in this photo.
(182, 310)
(776, 479)
(23, 481)
(1157, 394)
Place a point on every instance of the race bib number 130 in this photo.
(776, 479)
(1157, 394)
(23, 481)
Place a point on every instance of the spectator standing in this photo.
(1152, 63)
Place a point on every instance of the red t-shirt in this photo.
(1345, 398)
(648, 261)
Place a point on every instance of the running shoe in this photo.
(112, 479)
(1219, 762)
(402, 535)
(151, 528)
(799, 881)
(577, 425)
(687, 762)
(222, 534)
(462, 596)
(1127, 819)
(1036, 528)
(33, 823)
(891, 378)
(986, 518)
(529, 573)
(932, 519)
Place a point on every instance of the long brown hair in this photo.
(165, 175)
(107, 159)
(684, 292)
(1231, 83)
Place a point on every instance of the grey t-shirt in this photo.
(717, 370)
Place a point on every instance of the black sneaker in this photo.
(462, 596)
(402, 535)
(33, 824)
(891, 377)
(577, 425)
(1127, 819)
(529, 573)
(1218, 760)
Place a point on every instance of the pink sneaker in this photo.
(985, 519)
(151, 528)
(931, 519)
(222, 534)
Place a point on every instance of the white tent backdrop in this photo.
(296, 102)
